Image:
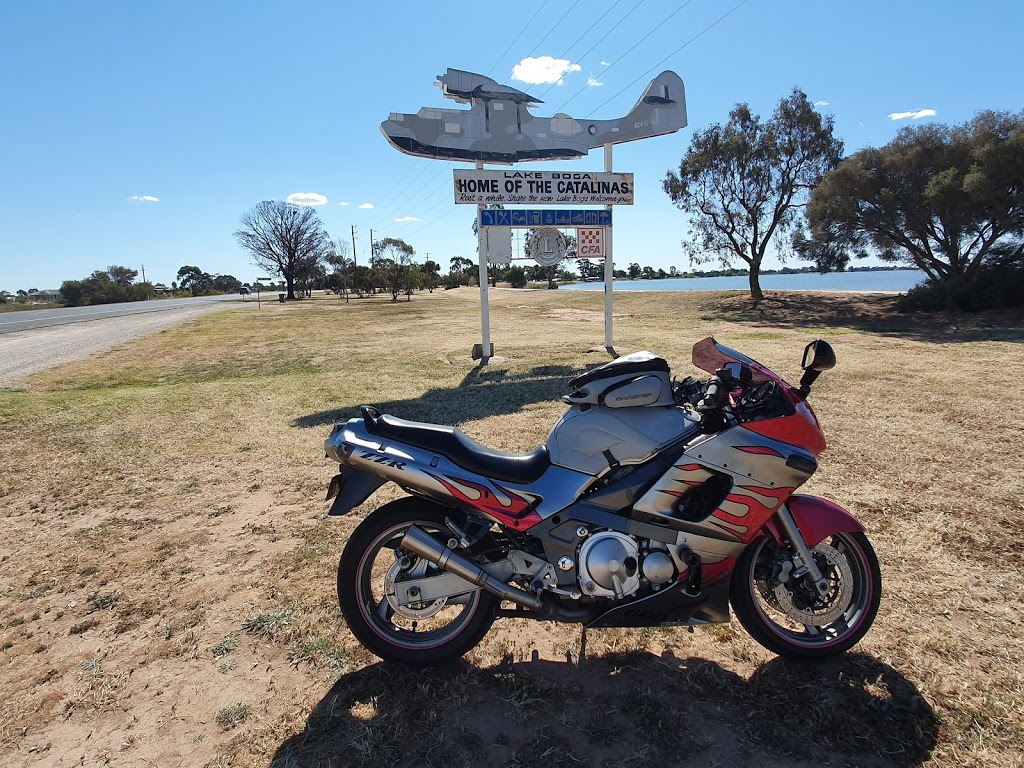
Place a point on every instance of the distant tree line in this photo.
(199, 283)
(109, 286)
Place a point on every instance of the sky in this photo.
(137, 134)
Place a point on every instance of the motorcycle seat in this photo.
(454, 445)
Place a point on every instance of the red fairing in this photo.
(817, 519)
(516, 514)
(801, 429)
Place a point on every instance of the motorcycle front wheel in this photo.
(787, 616)
(421, 634)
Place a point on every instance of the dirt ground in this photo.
(167, 590)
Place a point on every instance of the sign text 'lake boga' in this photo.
(543, 188)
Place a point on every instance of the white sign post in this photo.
(609, 267)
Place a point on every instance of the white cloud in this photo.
(408, 218)
(343, 202)
(821, 103)
(306, 198)
(593, 82)
(366, 205)
(543, 70)
(915, 115)
(144, 199)
(606, 64)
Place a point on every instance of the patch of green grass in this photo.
(236, 714)
(224, 647)
(323, 652)
(268, 624)
(84, 626)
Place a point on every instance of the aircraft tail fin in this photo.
(661, 108)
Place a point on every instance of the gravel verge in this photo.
(23, 353)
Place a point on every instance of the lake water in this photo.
(884, 280)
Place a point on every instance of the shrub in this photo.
(516, 277)
(992, 288)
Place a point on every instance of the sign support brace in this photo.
(609, 272)
(486, 350)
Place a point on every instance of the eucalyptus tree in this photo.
(392, 259)
(745, 182)
(946, 199)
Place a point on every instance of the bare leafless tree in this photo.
(284, 238)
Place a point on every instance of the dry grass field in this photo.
(168, 568)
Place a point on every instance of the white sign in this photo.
(590, 243)
(543, 187)
(498, 241)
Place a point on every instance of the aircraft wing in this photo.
(465, 86)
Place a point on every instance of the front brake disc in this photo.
(825, 610)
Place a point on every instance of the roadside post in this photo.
(259, 284)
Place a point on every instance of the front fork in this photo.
(803, 561)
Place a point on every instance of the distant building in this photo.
(49, 296)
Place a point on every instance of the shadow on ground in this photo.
(483, 392)
(867, 313)
(618, 709)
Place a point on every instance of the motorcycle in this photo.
(653, 502)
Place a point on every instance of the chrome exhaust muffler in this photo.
(418, 542)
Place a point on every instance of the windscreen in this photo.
(709, 355)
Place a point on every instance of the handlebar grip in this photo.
(712, 394)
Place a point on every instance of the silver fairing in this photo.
(429, 474)
(761, 479)
(591, 438)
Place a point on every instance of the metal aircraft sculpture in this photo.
(498, 126)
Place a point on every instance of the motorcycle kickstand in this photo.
(582, 655)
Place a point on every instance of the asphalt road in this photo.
(69, 337)
(46, 318)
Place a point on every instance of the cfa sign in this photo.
(542, 187)
(590, 243)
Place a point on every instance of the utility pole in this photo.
(371, 248)
(143, 273)
(354, 263)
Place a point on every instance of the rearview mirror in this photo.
(818, 356)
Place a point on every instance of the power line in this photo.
(578, 39)
(629, 50)
(709, 27)
(525, 27)
(396, 206)
(552, 29)
(616, 26)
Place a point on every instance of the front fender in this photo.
(817, 519)
(350, 488)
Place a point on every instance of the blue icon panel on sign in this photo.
(542, 218)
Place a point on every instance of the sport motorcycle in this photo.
(653, 502)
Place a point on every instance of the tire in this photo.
(847, 559)
(429, 635)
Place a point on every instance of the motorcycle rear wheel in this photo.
(843, 617)
(424, 635)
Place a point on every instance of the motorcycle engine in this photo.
(609, 565)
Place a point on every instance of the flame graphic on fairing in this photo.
(512, 510)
